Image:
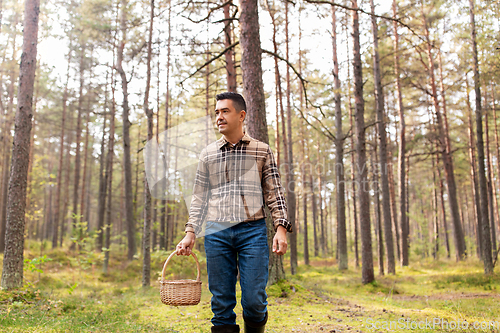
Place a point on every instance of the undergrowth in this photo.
(65, 294)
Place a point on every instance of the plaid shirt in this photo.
(233, 181)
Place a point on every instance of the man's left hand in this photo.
(279, 241)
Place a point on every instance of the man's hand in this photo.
(186, 244)
(279, 241)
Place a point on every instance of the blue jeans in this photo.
(243, 246)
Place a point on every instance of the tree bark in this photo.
(339, 155)
(353, 168)
(129, 214)
(7, 143)
(485, 224)
(103, 182)
(491, 202)
(229, 55)
(146, 237)
(253, 90)
(165, 226)
(363, 190)
(55, 235)
(404, 258)
(290, 179)
(378, 217)
(435, 250)
(446, 155)
(443, 210)
(83, 210)
(12, 273)
(382, 134)
(109, 177)
(76, 180)
(497, 146)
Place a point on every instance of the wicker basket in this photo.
(180, 292)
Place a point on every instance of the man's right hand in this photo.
(186, 244)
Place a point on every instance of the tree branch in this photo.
(208, 62)
(302, 80)
(398, 21)
(210, 12)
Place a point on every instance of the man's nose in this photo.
(219, 116)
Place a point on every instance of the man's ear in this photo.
(244, 113)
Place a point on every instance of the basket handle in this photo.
(171, 255)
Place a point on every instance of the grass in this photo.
(72, 295)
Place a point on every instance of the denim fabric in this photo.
(243, 246)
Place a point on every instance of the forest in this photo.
(381, 115)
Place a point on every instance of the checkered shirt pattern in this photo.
(233, 182)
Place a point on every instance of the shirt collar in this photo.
(222, 141)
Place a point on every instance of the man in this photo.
(234, 174)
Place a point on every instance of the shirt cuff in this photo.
(192, 228)
(283, 222)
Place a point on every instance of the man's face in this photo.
(228, 120)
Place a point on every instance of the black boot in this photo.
(253, 327)
(226, 329)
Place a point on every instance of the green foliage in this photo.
(318, 298)
(32, 264)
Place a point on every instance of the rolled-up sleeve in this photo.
(199, 200)
(273, 192)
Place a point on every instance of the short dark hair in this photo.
(238, 100)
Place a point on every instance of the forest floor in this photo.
(69, 293)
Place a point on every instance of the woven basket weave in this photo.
(180, 292)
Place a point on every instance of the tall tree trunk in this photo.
(379, 97)
(339, 155)
(363, 191)
(12, 272)
(435, 252)
(404, 258)
(146, 237)
(229, 55)
(497, 146)
(67, 168)
(443, 210)
(303, 143)
(315, 214)
(446, 154)
(353, 168)
(491, 202)
(378, 217)
(278, 92)
(253, 90)
(304, 198)
(55, 235)
(392, 189)
(290, 179)
(103, 182)
(323, 237)
(83, 210)
(7, 143)
(76, 180)
(109, 177)
(164, 219)
(473, 172)
(485, 224)
(129, 213)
